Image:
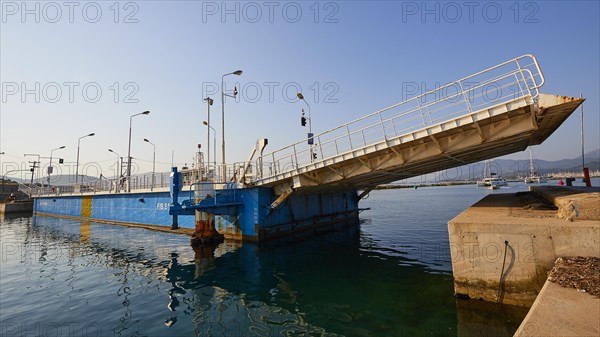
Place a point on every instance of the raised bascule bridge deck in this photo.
(492, 113)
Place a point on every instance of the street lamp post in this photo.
(117, 170)
(153, 161)
(214, 141)
(77, 165)
(310, 134)
(209, 101)
(129, 150)
(1, 154)
(50, 166)
(223, 94)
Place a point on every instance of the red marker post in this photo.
(586, 177)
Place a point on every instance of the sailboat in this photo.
(533, 178)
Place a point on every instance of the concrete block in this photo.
(485, 267)
(562, 312)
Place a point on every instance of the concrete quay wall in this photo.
(17, 207)
(581, 203)
(502, 247)
(562, 312)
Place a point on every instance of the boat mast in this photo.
(531, 168)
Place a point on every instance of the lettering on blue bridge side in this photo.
(163, 206)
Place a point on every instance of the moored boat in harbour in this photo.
(533, 177)
(492, 182)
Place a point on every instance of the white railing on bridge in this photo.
(139, 182)
(144, 182)
(510, 80)
(26, 189)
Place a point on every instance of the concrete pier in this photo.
(503, 246)
(24, 207)
(570, 307)
(561, 312)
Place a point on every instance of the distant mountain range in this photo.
(520, 168)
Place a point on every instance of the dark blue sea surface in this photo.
(388, 275)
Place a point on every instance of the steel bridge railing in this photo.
(507, 81)
(139, 182)
(210, 173)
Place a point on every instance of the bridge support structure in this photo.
(253, 214)
(204, 231)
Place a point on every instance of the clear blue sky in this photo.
(358, 56)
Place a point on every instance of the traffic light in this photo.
(61, 161)
(302, 119)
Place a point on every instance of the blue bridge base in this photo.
(254, 218)
(242, 214)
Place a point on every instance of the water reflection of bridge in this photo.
(291, 287)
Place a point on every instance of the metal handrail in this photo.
(528, 78)
(144, 181)
(25, 189)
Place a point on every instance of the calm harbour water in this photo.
(390, 275)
